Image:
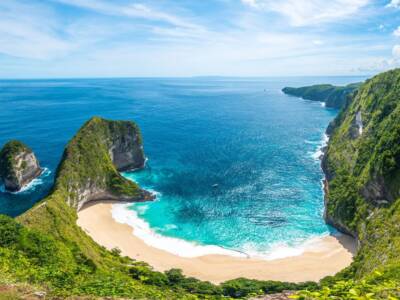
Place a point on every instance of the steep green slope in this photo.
(362, 166)
(333, 96)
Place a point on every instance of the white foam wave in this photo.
(282, 250)
(31, 186)
(142, 230)
(317, 155)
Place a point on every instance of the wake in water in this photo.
(31, 186)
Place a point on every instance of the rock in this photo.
(18, 166)
(40, 294)
(92, 160)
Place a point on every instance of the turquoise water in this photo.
(234, 161)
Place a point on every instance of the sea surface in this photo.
(234, 162)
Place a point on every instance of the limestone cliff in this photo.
(362, 168)
(332, 96)
(92, 160)
(18, 166)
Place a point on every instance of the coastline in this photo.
(332, 252)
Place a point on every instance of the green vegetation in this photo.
(7, 157)
(370, 289)
(363, 190)
(63, 267)
(333, 96)
(87, 165)
(45, 248)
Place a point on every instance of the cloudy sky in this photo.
(96, 38)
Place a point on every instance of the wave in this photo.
(31, 186)
(317, 155)
(141, 229)
(280, 250)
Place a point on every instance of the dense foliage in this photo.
(363, 172)
(333, 96)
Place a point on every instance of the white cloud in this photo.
(397, 32)
(309, 12)
(133, 10)
(29, 31)
(253, 3)
(318, 42)
(394, 4)
(396, 51)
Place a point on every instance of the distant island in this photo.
(46, 249)
(332, 96)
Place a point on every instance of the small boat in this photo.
(215, 185)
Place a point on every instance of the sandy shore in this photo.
(331, 254)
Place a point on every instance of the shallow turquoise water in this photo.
(233, 160)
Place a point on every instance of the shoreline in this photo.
(332, 252)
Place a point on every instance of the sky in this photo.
(166, 38)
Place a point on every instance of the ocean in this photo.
(234, 162)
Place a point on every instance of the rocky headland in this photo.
(18, 166)
(332, 96)
(90, 166)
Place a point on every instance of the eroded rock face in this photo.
(126, 150)
(92, 160)
(18, 166)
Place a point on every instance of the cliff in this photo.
(90, 166)
(18, 166)
(333, 96)
(362, 167)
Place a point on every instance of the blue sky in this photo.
(96, 38)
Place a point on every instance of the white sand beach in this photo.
(330, 254)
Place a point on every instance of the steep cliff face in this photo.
(333, 96)
(18, 166)
(92, 160)
(362, 167)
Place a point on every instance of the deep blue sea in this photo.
(234, 161)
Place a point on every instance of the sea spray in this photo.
(31, 186)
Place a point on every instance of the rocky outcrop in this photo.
(18, 166)
(92, 160)
(332, 96)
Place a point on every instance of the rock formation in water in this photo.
(333, 96)
(92, 160)
(18, 166)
